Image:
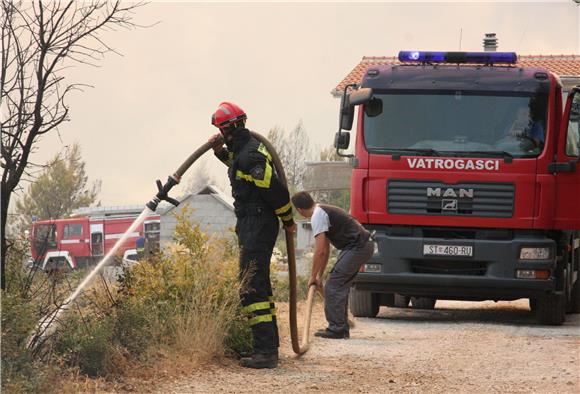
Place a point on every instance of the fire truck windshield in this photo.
(457, 123)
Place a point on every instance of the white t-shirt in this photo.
(319, 221)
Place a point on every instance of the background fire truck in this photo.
(467, 167)
(80, 241)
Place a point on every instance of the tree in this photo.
(294, 151)
(276, 136)
(38, 42)
(60, 188)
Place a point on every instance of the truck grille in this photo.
(462, 199)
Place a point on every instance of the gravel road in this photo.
(460, 347)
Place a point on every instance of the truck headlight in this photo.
(372, 268)
(529, 253)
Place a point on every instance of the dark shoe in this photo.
(329, 334)
(259, 361)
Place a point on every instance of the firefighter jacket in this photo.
(253, 178)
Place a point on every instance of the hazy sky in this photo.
(150, 108)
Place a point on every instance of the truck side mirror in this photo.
(342, 140)
(346, 114)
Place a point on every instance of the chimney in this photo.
(490, 42)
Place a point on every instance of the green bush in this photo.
(133, 327)
(87, 343)
(23, 304)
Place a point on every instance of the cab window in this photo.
(72, 230)
(573, 134)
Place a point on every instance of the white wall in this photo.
(211, 214)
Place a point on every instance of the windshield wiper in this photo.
(508, 157)
(424, 152)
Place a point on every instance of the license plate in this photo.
(447, 250)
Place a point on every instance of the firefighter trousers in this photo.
(257, 233)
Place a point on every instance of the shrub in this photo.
(192, 292)
(183, 302)
(87, 343)
(23, 304)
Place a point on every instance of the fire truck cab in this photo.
(467, 168)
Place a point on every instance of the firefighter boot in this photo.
(260, 360)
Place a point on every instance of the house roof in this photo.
(212, 190)
(563, 65)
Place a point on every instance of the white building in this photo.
(210, 207)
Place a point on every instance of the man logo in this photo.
(449, 192)
(449, 205)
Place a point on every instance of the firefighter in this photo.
(259, 200)
(140, 246)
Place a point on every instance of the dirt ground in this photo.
(460, 347)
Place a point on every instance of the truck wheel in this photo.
(401, 301)
(575, 293)
(423, 303)
(551, 309)
(363, 303)
(575, 298)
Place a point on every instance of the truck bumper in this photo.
(401, 267)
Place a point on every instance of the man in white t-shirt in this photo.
(332, 225)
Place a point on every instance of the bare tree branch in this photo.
(38, 41)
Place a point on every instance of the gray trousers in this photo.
(338, 285)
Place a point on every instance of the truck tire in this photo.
(575, 297)
(551, 309)
(575, 293)
(57, 265)
(423, 303)
(401, 301)
(363, 303)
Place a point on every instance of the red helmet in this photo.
(227, 114)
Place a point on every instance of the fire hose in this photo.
(298, 346)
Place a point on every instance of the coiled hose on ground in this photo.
(298, 346)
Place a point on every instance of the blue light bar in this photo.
(458, 57)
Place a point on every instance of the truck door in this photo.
(73, 238)
(567, 166)
(97, 239)
(152, 232)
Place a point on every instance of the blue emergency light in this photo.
(458, 57)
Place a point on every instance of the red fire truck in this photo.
(79, 241)
(467, 168)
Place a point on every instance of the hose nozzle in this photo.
(161, 195)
